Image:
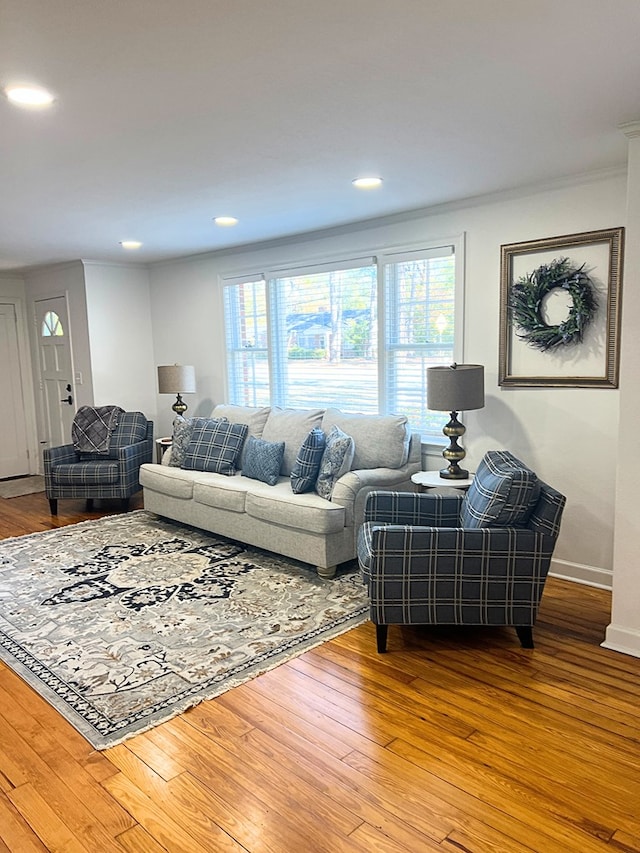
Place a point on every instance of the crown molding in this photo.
(631, 129)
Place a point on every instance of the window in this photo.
(51, 325)
(356, 334)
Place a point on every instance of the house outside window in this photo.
(356, 334)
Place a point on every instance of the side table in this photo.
(161, 445)
(433, 480)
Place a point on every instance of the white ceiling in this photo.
(170, 113)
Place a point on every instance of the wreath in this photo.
(526, 301)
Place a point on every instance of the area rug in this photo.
(19, 486)
(124, 622)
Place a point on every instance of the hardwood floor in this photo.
(456, 740)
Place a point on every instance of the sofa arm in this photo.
(426, 510)
(351, 490)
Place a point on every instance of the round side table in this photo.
(161, 445)
(433, 480)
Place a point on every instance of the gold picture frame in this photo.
(593, 361)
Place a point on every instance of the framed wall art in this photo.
(560, 311)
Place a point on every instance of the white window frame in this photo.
(380, 257)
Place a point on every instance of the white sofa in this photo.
(305, 526)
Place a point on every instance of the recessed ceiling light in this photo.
(225, 221)
(367, 183)
(29, 96)
(130, 244)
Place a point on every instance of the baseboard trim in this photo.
(579, 573)
(623, 640)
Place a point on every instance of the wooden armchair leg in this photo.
(381, 638)
(525, 635)
(124, 504)
(53, 506)
(89, 504)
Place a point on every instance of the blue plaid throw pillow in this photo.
(503, 493)
(263, 460)
(307, 465)
(215, 446)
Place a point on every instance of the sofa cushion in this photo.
(307, 465)
(280, 507)
(291, 426)
(503, 493)
(381, 441)
(336, 461)
(227, 493)
(215, 446)
(255, 417)
(263, 460)
(173, 482)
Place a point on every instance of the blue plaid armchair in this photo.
(113, 474)
(475, 559)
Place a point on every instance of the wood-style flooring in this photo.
(456, 740)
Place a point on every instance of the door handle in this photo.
(68, 399)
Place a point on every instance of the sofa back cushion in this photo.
(503, 493)
(215, 446)
(255, 417)
(291, 426)
(381, 441)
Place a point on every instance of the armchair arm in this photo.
(484, 576)
(427, 510)
(130, 458)
(62, 455)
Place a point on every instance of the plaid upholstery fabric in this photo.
(263, 460)
(503, 492)
(422, 567)
(94, 478)
(307, 465)
(215, 446)
(181, 439)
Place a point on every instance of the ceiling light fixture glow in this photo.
(367, 183)
(29, 96)
(225, 221)
(130, 244)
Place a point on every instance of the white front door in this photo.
(56, 377)
(14, 456)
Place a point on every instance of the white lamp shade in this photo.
(177, 379)
(455, 388)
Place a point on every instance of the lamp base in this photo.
(454, 453)
(179, 407)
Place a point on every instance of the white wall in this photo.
(623, 634)
(569, 436)
(119, 324)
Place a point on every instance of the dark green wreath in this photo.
(525, 304)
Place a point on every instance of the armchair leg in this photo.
(381, 638)
(125, 504)
(525, 635)
(89, 504)
(53, 506)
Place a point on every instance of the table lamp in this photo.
(177, 379)
(455, 388)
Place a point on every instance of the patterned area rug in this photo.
(124, 622)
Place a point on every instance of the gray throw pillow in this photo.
(336, 461)
(307, 465)
(215, 446)
(263, 460)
